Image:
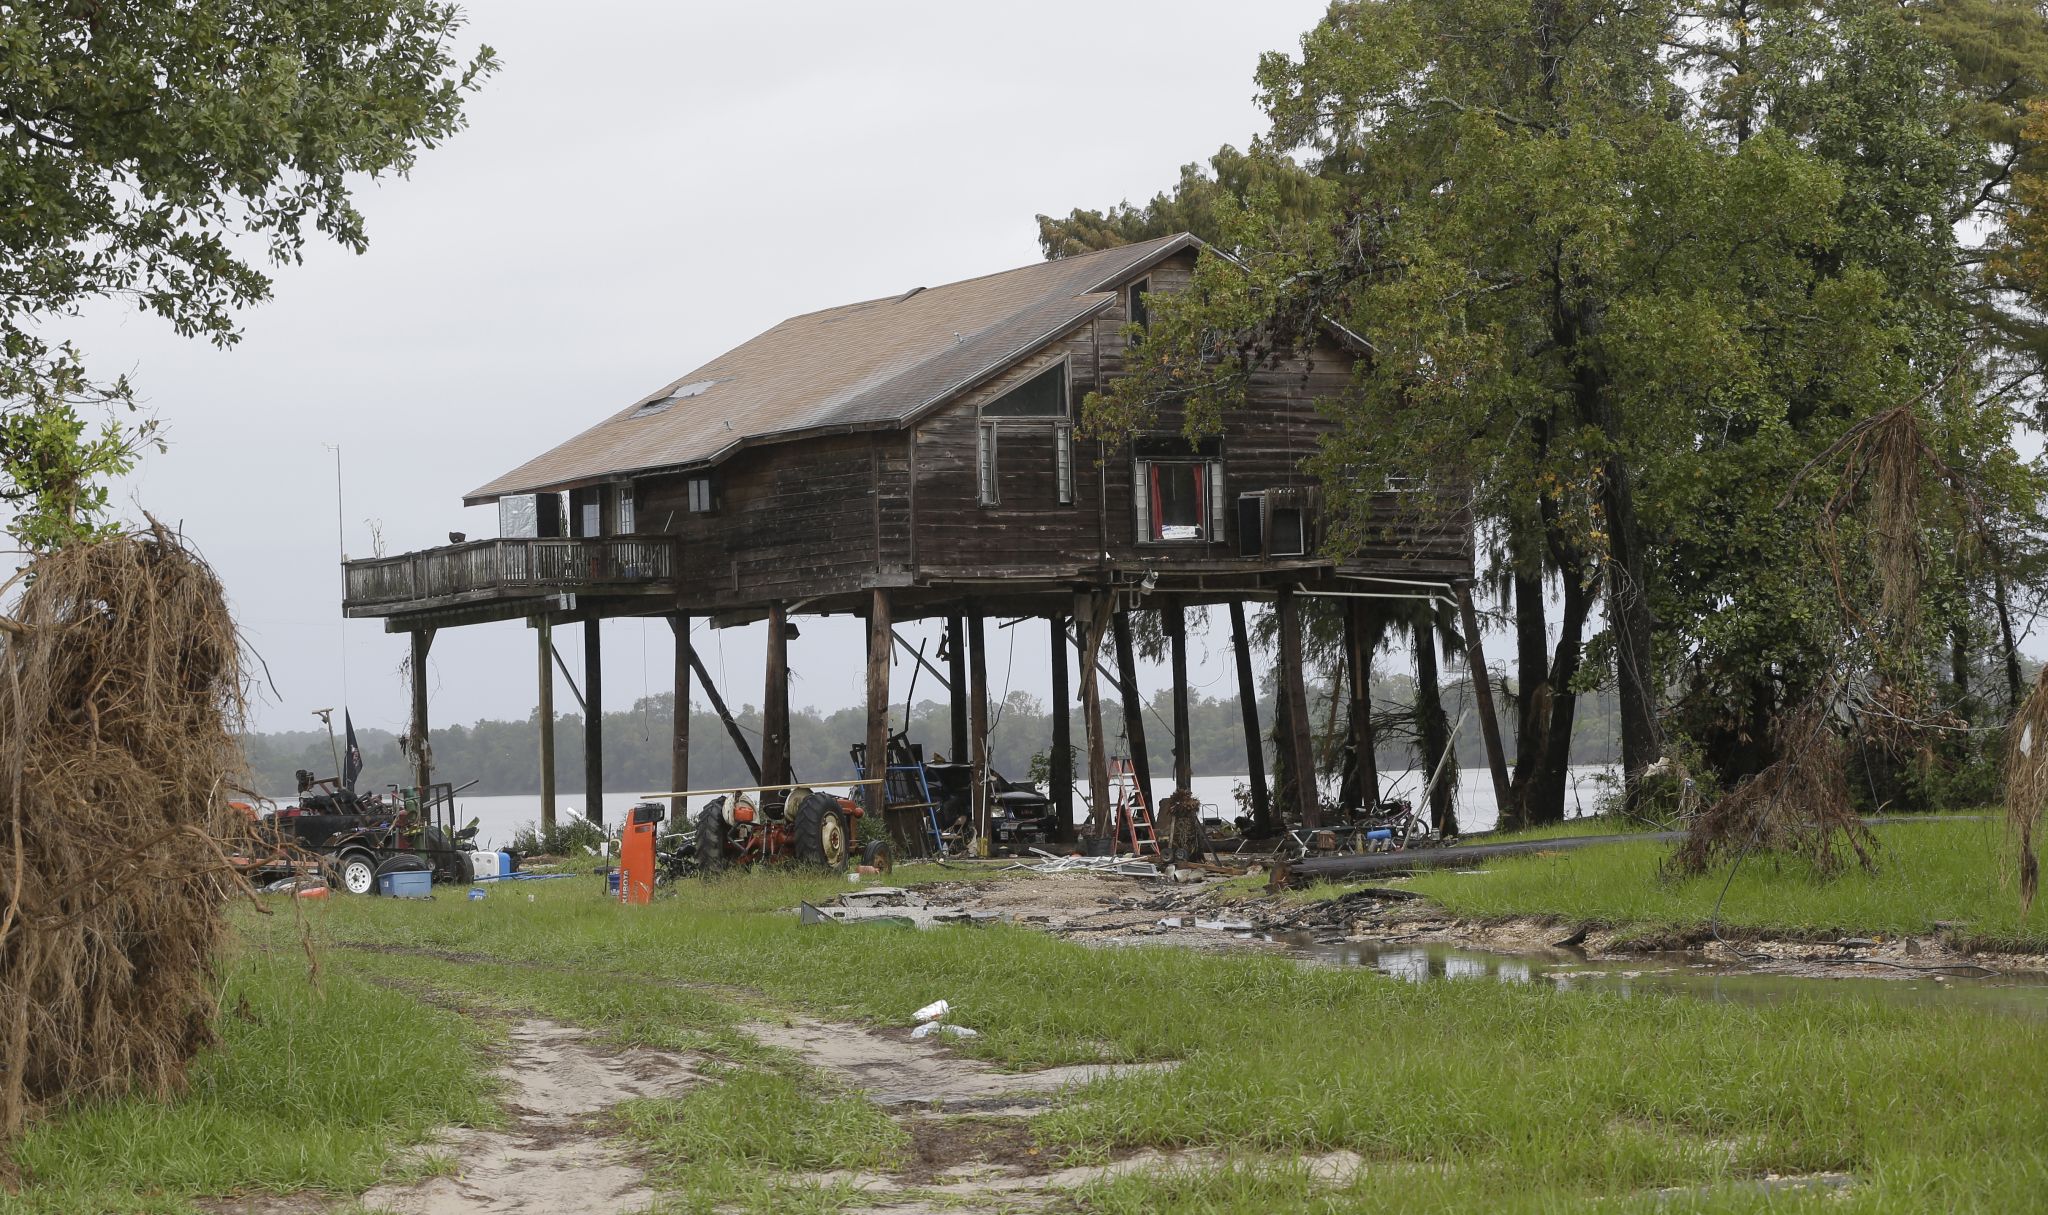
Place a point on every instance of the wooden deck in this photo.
(484, 571)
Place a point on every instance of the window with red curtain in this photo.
(1179, 500)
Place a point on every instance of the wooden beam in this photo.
(1062, 735)
(775, 699)
(1175, 618)
(593, 722)
(956, 663)
(1134, 708)
(732, 727)
(922, 661)
(1300, 751)
(422, 737)
(1362, 775)
(545, 630)
(977, 727)
(1248, 707)
(679, 743)
(880, 637)
(1482, 696)
(1092, 612)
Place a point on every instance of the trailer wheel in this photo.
(821, 837)
(711, 835)
(876, 854)
(357, 872)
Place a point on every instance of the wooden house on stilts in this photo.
(916, 456)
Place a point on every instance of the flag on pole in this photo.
(352, 764)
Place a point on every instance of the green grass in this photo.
(1953, 870)
(308, 1090)
(1478, 1096)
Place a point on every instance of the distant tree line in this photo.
(502, 756)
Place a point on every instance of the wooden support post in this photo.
(732, 728)
(1482, 696)
(1092, 612)
(1175, 618)
(545, 718)
(422, 737)
(1134, 708)
(1062, 736)
(679, 744)
(1301, 754)
(593, 721)
(879, 647)
(956, 677)
(977, 727)
(775, 701)
(1362, 776)
(1248, 707)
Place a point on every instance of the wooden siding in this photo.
(793, 521)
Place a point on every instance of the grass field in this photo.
(309, 1089)
(1459, 1097)
(1952, 871)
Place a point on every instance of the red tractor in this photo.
(805, 827)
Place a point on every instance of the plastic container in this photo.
(484, 864)
(504, 864)
(1380, 833)
(417, 884)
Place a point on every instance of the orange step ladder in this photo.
(1133, 813)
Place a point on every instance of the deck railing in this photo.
(508, 565)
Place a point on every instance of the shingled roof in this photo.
(876, 364)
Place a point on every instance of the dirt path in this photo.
(552, 1159)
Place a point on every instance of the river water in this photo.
(500, 816)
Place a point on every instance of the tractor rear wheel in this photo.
(821, 836)
(711, 835)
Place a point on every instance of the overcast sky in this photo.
(644, 186)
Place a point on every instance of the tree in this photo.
(1623, 273)
(146, 152)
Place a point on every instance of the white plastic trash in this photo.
(935, 1027)
(933, 1011)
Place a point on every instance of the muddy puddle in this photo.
(1677, 974)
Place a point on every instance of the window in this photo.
(625, 511)
(1063, 462)
(1178, 498)
(593, 519)
(1042, 396)
(699, 499)
(985, 466)
(1275, 523)
(1138, 314)
(1172, 498)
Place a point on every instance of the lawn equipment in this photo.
(803, 827)
(358, 836)
(932, 804)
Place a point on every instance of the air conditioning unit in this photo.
(1275, 523)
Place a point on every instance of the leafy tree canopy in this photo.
(165, 153)
(1641, 280)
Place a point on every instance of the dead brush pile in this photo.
(1799, 804)
(120, 706)
(2026, 785)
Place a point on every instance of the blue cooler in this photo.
(418, 884)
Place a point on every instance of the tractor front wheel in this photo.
(711, 835)
(821, 835)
